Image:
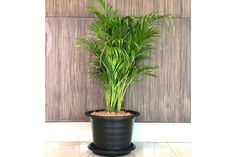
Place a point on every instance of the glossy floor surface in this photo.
(79, 149)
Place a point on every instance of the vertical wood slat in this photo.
(78, 8)
(68, 87)
(167, 97)
(70, 91)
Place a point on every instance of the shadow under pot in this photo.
(112, 135)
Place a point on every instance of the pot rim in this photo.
(134, 115)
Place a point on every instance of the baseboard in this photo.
(143, 132)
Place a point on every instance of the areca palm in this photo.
(120, 45)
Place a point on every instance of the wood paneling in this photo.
(70, 92)
(166, 98)
(69, 89)
(78, 8)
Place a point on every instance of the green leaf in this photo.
(120, 44)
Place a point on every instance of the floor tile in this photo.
(80, 149)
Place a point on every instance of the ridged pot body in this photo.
(112, 133)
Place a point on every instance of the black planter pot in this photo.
(112, 135)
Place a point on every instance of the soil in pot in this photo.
(111, 114)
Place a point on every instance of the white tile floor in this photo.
(79, 149)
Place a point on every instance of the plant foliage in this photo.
(120, 45)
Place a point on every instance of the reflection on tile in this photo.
(163, 150)
(180, 149)
(79, 149)
(144, 149)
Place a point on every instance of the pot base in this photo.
(105, 152)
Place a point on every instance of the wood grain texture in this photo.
(70, 92)
(78, 8)
(166, 98)
(69, 89)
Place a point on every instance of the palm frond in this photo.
(120, 45)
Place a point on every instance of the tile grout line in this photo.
(172, 150)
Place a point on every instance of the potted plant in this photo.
(120, 45)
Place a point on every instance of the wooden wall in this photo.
(69, 89)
